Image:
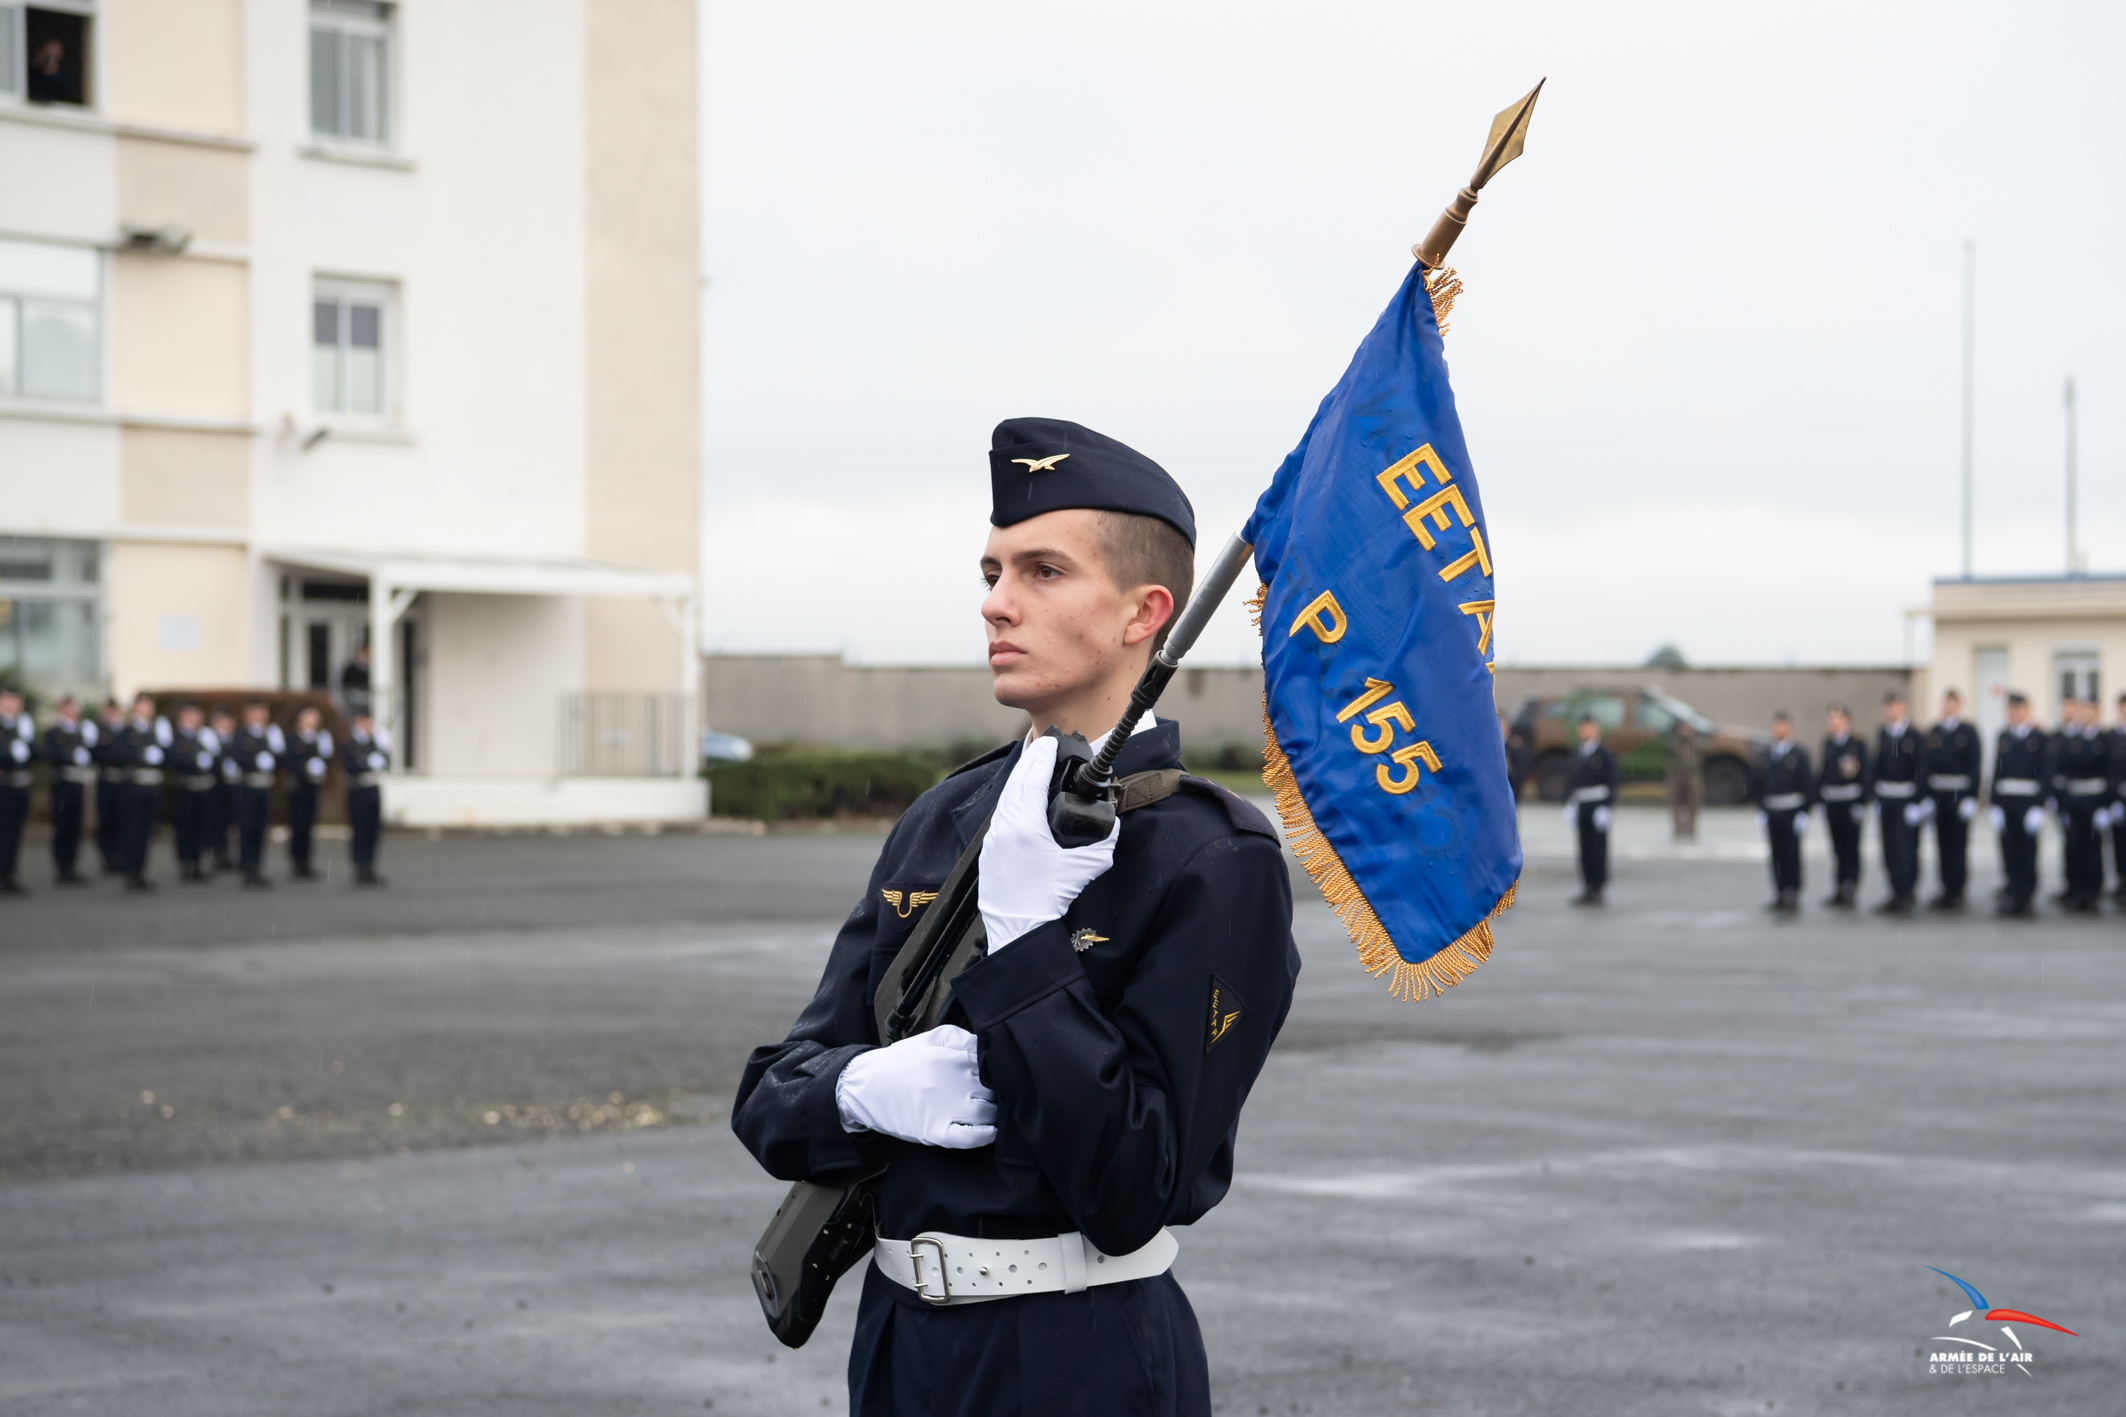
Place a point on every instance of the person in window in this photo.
(52, 79)
(354, 683)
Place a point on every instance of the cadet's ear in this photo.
(1154, 606)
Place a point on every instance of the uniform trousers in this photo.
(252, 806)
(1900, 846)
(67, 801)
(194, 806)
(302, 821)
(365, 819)
(1115, 1350)
(110, 823)
(142, 805)
(1842, 819)
(2118, 854)
(2082, 858)
(1594, 846)
(220, 816)
(1786, 849)
(1952, 838)
(2018, 848)
(14, 811)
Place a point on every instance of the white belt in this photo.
(1591, 794)
(15, 779)
(258, 779)
(1949, 782)
(1848, 793)
(1786, 802)
(1894, 789)
(959, 1269)
(365, 779)
(147, 777)
(2015, 787)
(2087, 786)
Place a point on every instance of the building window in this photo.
(349, 353)
(50, 611)
(350, 71)
(50, 297)
(44, 51)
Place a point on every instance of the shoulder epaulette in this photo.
(1243, 814)
(989, 757)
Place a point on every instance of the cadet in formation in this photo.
(1949, 767)
(1787, 794)
(111, 779)
(2020, 790)
(18, 754)
(2083, 789)
(1899, 808)
(1842, 786)
(256, 750)
(1083, 1091)
(197, 762)
(143, 744)
(229, 777)
(309, 760)
(364, 757)
(2116, 771)
(1590, 798)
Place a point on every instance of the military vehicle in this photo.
(1635, 725)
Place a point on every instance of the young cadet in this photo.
(256, 750)
(363, 759)
(197, 761)
(1589, 794)
(18, 757)
(1788, 787)
(2020, 760)
(1949, 767)
(2081, 784)
(69, 746)
(1842, 787)
(1084, 1089)
(2116, 760)
(309, 760)
(1899, 810)
(221, 807)
(144, 741)
(111, 779)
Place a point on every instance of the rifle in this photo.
(822, 1229)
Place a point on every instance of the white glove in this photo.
(925, 1089)
(81, 757)
(265, 762)
(1860, 813)
(1572, 814)
(205, 761)
(19, 751)
(153, 756)
(315, 767)
(1967, 808)
(1999, 818)
(1026, 879)
(1801, 824)
(2034, 820)
(376, 762)
(1601, 819)
(1915, 813)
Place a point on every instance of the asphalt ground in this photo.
(1672, 1156)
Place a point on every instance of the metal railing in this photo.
(626, 735)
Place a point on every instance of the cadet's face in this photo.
(1839, 723)
(1782, 730)
(1589, 732)
(255, 717)
(1951, 706)
(189, 720)
(2018, 713)
(1058, 626)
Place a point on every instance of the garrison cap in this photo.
(1041, 465)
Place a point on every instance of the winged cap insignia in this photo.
(1034, 465)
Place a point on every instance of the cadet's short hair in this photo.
(2017, 698)
(1781, 716)
(1952, 694)
(1142, 550)
(1895, 696)
(1839, 708)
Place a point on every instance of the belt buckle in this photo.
(915, 1263)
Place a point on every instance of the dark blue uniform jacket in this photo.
(1119, 1084)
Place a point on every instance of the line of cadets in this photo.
(1916, 780)
(223, 771)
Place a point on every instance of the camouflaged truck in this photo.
(1635, 725)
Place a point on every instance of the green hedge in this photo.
(794, 780)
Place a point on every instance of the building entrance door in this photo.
(2074, 675)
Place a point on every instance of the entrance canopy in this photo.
(396, 578)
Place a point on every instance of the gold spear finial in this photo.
(1509, 134)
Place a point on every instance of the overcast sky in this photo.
(1708, 360)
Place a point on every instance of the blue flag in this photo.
(1383, 749)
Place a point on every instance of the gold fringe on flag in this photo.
(1442, 285)
(1255, 602)
(1376, 952)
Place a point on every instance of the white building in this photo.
(327, 323)
(2047, 636)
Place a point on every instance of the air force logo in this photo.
(906, 904)
(1226, 1009)
(1034, 465)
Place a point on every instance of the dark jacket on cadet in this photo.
(1118, 1092)
(1788, 784)
(1897, 764)
(1843, 777)
(1950, 761)
(2022, 770)
(1594, 777)
(2080, 768)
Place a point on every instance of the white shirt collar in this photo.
(1951, 721)
(1144, 725)
(1897, 729)
(1780, 746)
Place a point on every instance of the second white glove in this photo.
(1801, 824)
(1967, 808)
(1028, 880)
(926, 1089)
(1999, 818)
(2034, 820)
(1601, 819)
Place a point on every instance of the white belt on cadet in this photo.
(2087, 786)
(14, 779)
(960, 1269)
(1894, 789)
(1949, 782)
(1786, 802)
(258, 779)
(1591, 794)
(147, 777)
(2015, 787)
(1849, 793)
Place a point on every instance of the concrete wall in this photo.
(176, 615)
(817, 698)
(497, 666)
